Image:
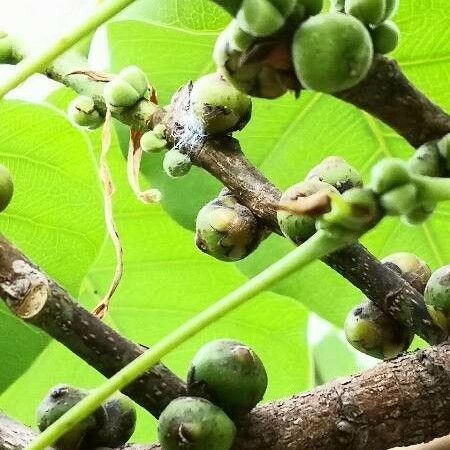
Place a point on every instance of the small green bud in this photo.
(229, 374)
(369, 12)
(264, 17)
(437, 296)
(337, 172)
(82, 112)
(119, 425)
(195, 424)
(413, 269)
(385, 37)
(332, 52)
(227, 230)
(6, 187)
(388, 174)
(400, 200)
(153, 141)
(218, 106)
(127, 88)
(58, 401)
(298, 228)
(371, 331)
(6, 48)
(176, 164)
(427, 160)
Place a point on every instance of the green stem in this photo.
(432, 189)
(320, 245)
(41, 61)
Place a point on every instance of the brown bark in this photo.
(38, 300)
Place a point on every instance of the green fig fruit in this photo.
(369, 12)
(399, 201)
(6, 187)
(419, 214)
(218, 106)
(229, 374)
(154, 141)
(58, 401)
(427, 160)
(413, 269)
(444, 150)
(227, 230)
(127, 88)
(82, 112)
(388, 174)
(371, 331)
(437, 297)
(332, 52)
(176, 164)
(117, 426)
(195, 424)
(337, 172)
(264, 17)
(385, 37)
(298, 228)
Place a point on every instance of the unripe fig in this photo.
(413, 269)
(176, 164)
(118, 424)
(154, 141)
(400, 200)
(427, 160)
(437, 297)
(229, 374)
(58, 401)
(388, 174)
(82, 112)
(374, 333)
(218, 106)
(6, 48)
(264, 17)
(227, 230)
(332, 52)
(385, 37)
(6, 187)
(369, 12)
(337, 172)
(298, 228)
(195, 424)
(127, 88)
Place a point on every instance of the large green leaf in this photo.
(50, 216)
(286, 137)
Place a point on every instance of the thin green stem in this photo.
(320, 245)
(433, 188)
(41, 61)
